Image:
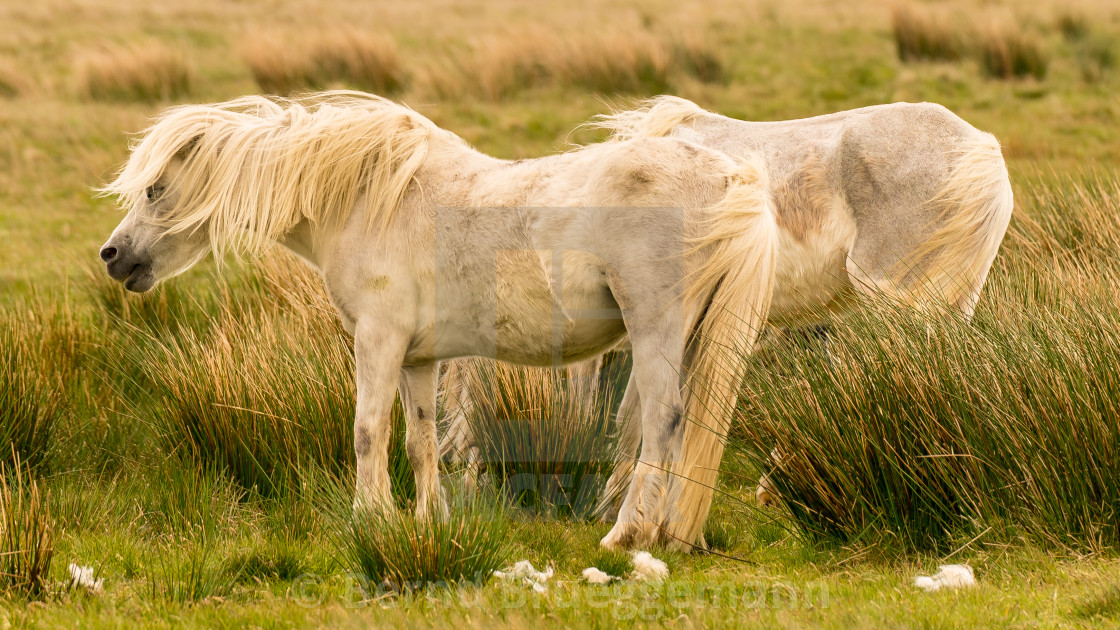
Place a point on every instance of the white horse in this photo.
(431, 250)
(905, 200)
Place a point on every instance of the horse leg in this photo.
(628, 423)
(378, 353)
(584, 380)
(457, 438)
(418, 396)
(658, 354)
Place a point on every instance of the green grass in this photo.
(899, 434)
(29, 401)
(186, 443)
(396, 553)
(27, 534)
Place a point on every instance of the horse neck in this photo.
(453, 175)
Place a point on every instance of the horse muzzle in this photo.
(124, 266)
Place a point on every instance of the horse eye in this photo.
(153, 192)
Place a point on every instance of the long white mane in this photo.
(253, 167)
(653, 118)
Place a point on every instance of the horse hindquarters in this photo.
(965, 219)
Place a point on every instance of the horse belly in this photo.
(579, 318)
(812, 279)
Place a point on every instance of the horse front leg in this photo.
(378, 353)
(656, 372)
(418, 395)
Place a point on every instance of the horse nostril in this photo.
(108, 254)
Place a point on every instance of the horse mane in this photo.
(254, 167)
(653, 118)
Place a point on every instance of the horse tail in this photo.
(732, 289)
(975, 205)
(458, 438)
(656, 118)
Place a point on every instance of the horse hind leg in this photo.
(418, 396)
(628, 424)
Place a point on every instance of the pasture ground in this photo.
(180, 544)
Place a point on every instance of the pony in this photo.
(904, 201)
(431, 250)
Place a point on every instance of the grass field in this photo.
(194, 445)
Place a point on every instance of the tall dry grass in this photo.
(923, 35)
(1006, 51)
(625, 62)
(137, 72)
(286, 63)
(263, 390)
(547, 439)
(27, 533)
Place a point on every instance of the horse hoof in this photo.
(764, 494)
(630, 535)
(615, 540)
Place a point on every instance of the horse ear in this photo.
(188, 148)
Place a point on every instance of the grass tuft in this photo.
(1007, 51)
(29, 402)
(616, 63)
(698, 59)
(1073, 24)
(27, 533)
(631, 62)
(396, 551)
(612, 562)
(263, 395)
(922, 432)
(921, 35)
(194, 575)
(548, 444)
(283, 64)
(139, 72)
(279, 559)
(195, 502)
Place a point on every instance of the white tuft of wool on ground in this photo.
(950, 576)
(595, 576)
(83, 577)
(526, 572)
(646, 567)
